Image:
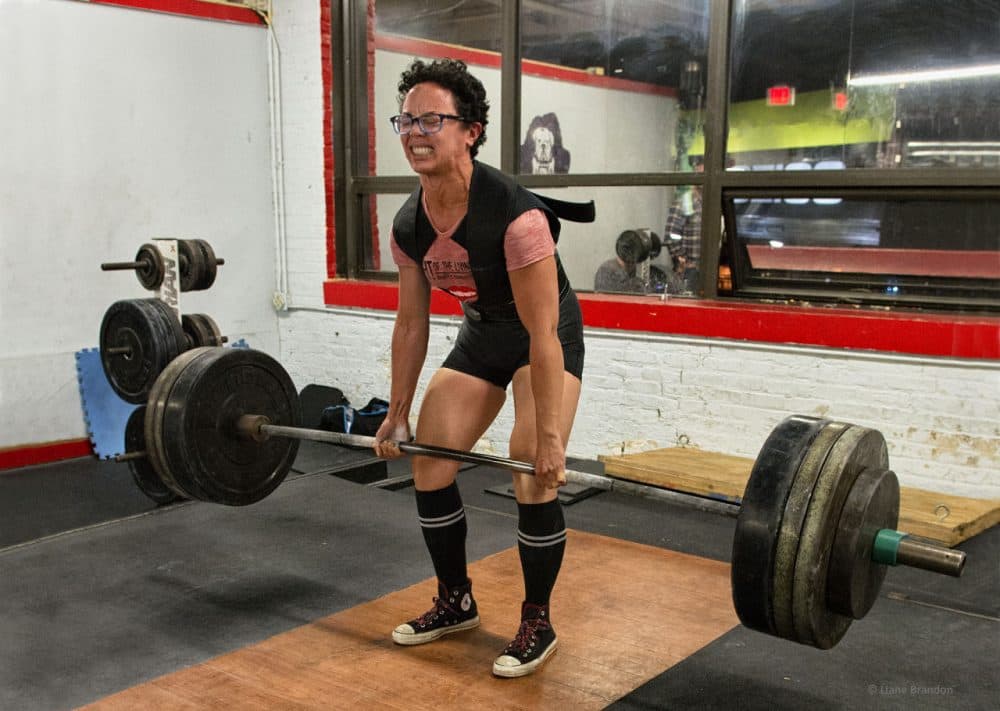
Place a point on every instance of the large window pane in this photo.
(426, 29)
(870, 83)
(621, 92)
(891, 251)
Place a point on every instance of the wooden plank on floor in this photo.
(941, 517)
(949, 519)
(624, 613)
(684, 469)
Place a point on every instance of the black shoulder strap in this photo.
(412, 229)
(572, 211)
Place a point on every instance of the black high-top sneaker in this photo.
(453, 611)
(535, 642)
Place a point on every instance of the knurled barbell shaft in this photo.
(259, 428)
(916, 553)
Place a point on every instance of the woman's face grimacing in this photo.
(441, 152)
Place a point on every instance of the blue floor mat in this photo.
(105, 412)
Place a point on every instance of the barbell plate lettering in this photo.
(857, 449)
(853, 578)
(789, 535)
(759, 521)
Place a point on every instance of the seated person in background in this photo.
(672, 281)
(617, 275)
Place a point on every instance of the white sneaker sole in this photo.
(524, 669)
(409, 639)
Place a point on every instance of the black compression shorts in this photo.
(494, 350)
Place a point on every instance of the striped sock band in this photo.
(442, 521)
(541, 542)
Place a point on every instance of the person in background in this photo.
(475, 233)
(618, 276)
(683, 233)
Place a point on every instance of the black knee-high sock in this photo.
(442, 521)
(541, 540)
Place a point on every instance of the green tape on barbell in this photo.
(886, 546)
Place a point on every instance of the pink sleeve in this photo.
(528, 240)
(401, 258)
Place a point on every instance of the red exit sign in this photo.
(781, 95)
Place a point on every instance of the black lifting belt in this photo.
(572, 211)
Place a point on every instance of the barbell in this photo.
(197, 265)
(814, 533)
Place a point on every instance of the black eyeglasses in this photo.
(427, 123)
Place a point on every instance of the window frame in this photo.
(353, 185)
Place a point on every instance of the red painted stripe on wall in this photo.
(951, 336)
(26, 456)
(529, 67)
(191, 8)
(326, 58)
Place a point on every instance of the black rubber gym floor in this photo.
(103, 590)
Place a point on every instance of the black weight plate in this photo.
(211, 265)
(190, 264)
(150, 275)
(172, 325)
(143, 472)
(759, 521)
(854, 579)
(211, 328)
(211, 393)
(153, 423)
(632, 246)
(858, 448)
(791, 525)
(200, 330)
(139, 325)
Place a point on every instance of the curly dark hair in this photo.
(453, 75)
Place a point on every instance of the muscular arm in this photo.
(536, 294)
(409, 349)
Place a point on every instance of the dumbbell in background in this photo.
(197, 265)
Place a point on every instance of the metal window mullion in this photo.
(347, 123)
(716, 111)
(510, 85)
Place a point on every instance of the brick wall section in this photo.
(647, 392)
